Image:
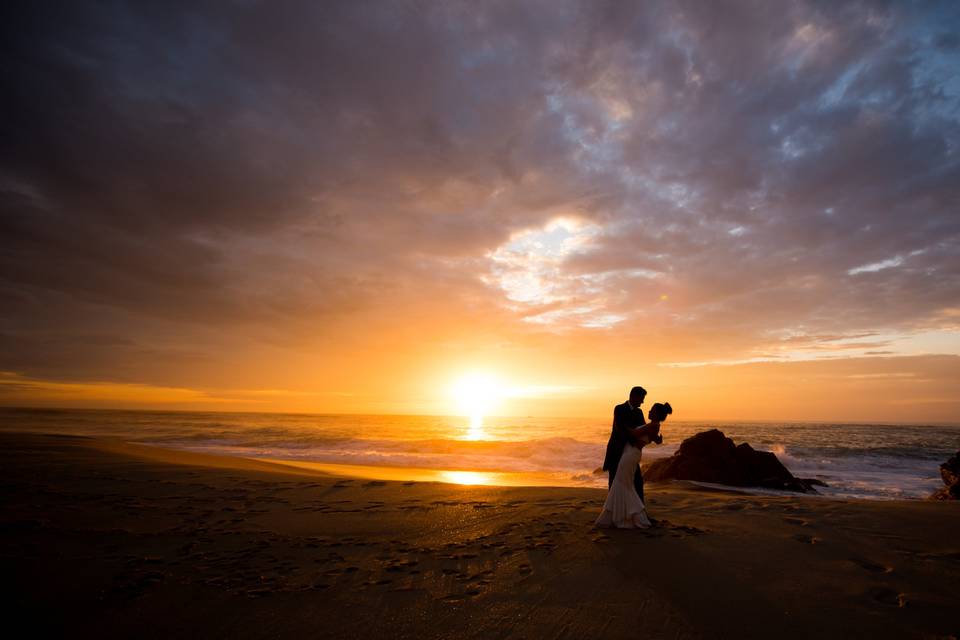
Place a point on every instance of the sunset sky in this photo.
(750, 208)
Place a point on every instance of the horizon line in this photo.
(4, 407)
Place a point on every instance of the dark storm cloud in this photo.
(279, 165)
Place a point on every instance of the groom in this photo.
(626, 416)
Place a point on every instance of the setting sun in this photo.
(464, 477)
(476, 395)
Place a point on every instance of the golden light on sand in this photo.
(465, 477)
(476, 395)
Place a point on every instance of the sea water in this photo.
(874, 461)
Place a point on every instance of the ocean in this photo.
(868, 461)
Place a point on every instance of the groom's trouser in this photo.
(637, 481)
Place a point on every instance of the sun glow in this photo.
(476, 395)
(465, 477)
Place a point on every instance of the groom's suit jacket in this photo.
(625, 418)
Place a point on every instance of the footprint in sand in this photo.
(871, 566)
(454, 598)
(887, 596)
(797, 521)
(694, 531)
(950, 556)
(800, 537)
(396, 566)
(135, 585)
(675, 530)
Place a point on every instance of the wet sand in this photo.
(114, 540)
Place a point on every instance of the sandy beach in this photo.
(114, 540)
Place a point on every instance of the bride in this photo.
(623, 508)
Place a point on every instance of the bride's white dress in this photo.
(623, 508)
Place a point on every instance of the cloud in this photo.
(185, 181)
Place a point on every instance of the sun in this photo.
(465, 477)
(476, 395)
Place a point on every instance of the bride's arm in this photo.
(641, 435)
(648, 433)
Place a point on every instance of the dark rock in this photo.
(710, 456)
(947, 493)
(662, 469)
(950, 472)
(762, 466)
(708, 443)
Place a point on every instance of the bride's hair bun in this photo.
(661, 411)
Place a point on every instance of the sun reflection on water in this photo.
(475, 431)
(477, 395)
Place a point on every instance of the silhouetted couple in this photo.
(625, 508)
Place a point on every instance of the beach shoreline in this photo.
(116, 539)
(867, 461)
